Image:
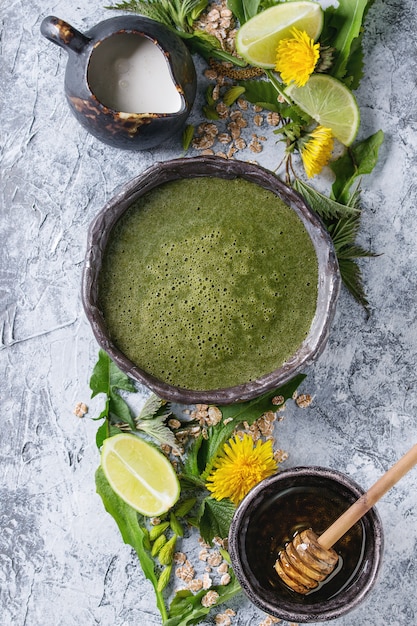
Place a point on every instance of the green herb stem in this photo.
(277, 85)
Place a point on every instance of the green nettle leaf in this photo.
(152, 407)
(358, 160)
(215, 517)
(196, 11)
(344, 233)
(352, 279)
(321, 204)
(157, 429)
(148, 8)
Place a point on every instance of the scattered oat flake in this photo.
(207, 581)
(225, 579)
(222, 620)
(304, 400)
(179, 558)
(214, 559)
(240, 143)
(210, 598)
(223, 568)
(80, 409)
(224, 138)
(195, 585)
(210, 74)
(214, 413)
(273, 118)
(270, 619)
(174, 423)
(185, 572)
(203, 555)
(280, 456)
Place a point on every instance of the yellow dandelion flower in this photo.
(240, 466)
(316, 150)
(297, 57)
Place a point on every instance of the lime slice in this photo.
(257, 39)
(140, 474)
(330, 103)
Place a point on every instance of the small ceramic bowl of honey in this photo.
(287, 503)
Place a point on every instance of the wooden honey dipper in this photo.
(309, 559)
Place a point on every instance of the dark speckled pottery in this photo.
(122, 129)
(346, 590)
(160, 173)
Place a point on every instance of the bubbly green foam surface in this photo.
(208, 283)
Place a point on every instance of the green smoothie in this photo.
(208, 283)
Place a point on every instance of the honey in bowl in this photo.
(292, 511)
(284, 504)
(209, 282)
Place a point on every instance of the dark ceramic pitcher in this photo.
(126, 62)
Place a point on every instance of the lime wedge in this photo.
(257, 39)
(140, 474)
(330, 103)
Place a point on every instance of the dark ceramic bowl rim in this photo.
(328, 283)
(330, 609)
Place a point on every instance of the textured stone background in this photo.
(61, 558)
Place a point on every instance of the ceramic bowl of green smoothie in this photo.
(209, 281)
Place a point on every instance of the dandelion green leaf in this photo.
(132, 532)
(343, 27)
(107, 378)
(243, 10)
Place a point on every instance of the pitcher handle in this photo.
(63, 34)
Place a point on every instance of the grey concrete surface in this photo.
(62, 561)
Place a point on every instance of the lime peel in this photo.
(330, 103)
(139, 474)
(258, 38)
